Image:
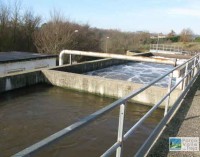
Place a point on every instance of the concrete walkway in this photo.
(186, 123)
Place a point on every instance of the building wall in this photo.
(13, 67)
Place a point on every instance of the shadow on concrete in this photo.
(192, 117)
(161, 148)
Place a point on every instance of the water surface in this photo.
(137, 72)
(30, 114)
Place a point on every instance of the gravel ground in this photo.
(186, 123)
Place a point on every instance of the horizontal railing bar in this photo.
(160, 127)
(67, 130)
(154, 81)
(174, 87)
(128, 133)
(196, 64)
(166, 47)
(91, 117)
(156, 106)
(111, 149)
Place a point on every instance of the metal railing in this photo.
(191, 73)
(168, 48)
(136, 57)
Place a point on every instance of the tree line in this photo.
(22, 30)
(17, 28)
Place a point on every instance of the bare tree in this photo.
(186, 35)
(16, 27)
(30, 24)
(15, 21)
(4, 29)
(4, 16)
(53, 36)
(21, 30)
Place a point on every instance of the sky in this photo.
(155, 16)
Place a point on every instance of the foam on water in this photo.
(137, 72)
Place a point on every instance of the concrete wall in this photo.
(32, 77)
(18, 80)
(89, 65)
(91, 84)
(105, 87)
(12, 67)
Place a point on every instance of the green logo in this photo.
(174, 143)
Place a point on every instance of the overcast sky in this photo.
(126, 15)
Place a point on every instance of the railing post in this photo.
(120, 130)
(186, 78)
(70, 59)
(194, 67)
(198, 61)
(169, 88)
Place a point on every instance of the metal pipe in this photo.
(75, 126)
(148, 144)
(111, 149)
(115, 56)
(120, 130)
(101, 112)
(169, 89)
(128, 133)
(193, 73)
(70, 59)
(186, 79)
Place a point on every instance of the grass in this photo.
(188, 46)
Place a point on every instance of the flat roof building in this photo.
(11, 62)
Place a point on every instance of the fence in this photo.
(166, 48)
(191, 73)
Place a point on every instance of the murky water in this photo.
(30, 114)
(137, 72)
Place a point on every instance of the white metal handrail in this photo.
(193, 72)
(133, 128)
(144, 149)
(135, 57)
(163, 47)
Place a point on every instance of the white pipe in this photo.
(115, 56)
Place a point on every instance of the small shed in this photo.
(11, 62)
